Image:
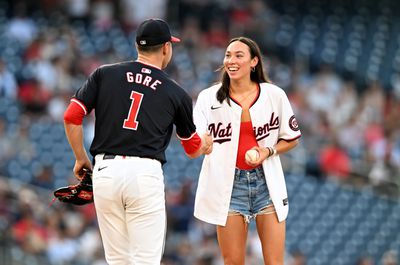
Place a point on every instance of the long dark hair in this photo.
(257, 75)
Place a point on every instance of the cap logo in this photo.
(142, 42)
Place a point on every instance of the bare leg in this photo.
(232, 240)
(272, 237)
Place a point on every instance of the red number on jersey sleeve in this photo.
(131, 123)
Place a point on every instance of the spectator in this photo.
(102, 12)
(134, 12)
(6, 210)
(8, 84)
(181, 209)
(44, 178)
(334, 161)
(34, 96)
(29, 234)
(6, 147)
(78, 9)
(298, 258)
(21, 27)
(57, 105)
(390, 258)
(61, 248)
(365, 260)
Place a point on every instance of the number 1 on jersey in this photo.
(131, 123)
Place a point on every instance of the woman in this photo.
(245, 111)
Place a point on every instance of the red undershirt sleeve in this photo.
(191, 144)
(75, 112)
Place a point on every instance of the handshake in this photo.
(206, 144)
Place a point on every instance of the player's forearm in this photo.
(74, 135)
(284, 146)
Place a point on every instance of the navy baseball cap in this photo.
(153, 32)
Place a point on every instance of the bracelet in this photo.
(272, 151)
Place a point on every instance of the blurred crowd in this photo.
(350, 130)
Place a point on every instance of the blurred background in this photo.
(337, 60)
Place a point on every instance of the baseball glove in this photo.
(79, 194)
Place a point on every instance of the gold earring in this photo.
(253, 69)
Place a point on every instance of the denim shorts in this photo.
(250, 195)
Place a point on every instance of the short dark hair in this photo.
(149, 49)
(257, 76)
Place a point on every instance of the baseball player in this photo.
(245, 112)
(136, 105)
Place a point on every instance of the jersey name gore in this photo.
(145, 80)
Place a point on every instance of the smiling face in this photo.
(238, 62)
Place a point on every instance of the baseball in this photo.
(252, 155)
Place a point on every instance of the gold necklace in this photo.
(243, 98)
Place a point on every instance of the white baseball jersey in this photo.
(272, 118)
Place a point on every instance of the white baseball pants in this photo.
(130, 205)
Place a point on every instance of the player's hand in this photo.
(208, 143)
(79, 166)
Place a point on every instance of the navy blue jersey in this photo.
(136, 106)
